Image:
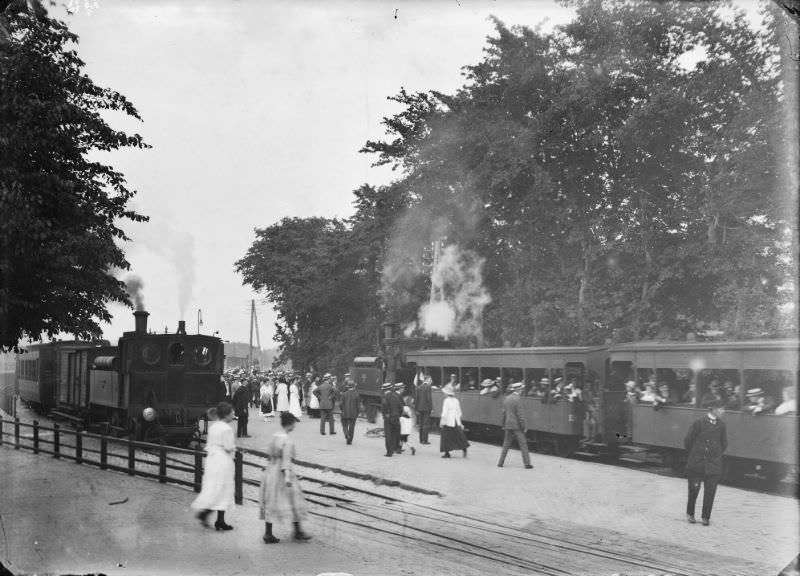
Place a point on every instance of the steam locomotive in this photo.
(149, 387)
(605, 422)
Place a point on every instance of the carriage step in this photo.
(632, 460)
(590, 454)
(630, 448)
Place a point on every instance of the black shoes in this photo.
(446, 455)
(222, 526)
(528, 466)
(413, 451)
(465, 452)
(388, 455)
(270, 539)
(323, 433)
(690, 519)
(301, 536)
(500, 465)
(705, 521)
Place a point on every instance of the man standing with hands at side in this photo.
(327, 398)
(705, 443)
(514, 425)
(391, 408)
(423, 403)
(348, 404)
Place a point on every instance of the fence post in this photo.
(78, 446)
(103, 452)
(198, 470)
(162, 463)
(237, 477)
(131, 457)
(56, 441)
(16, 433)
(35, 436)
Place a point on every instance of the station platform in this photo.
(61, 518)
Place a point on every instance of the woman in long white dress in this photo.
(266, 399)
(294, 400)
(313, 401)
(280, 496)
(217, 487)
(282, 391)
(452, 435)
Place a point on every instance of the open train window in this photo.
(451, 374)
(533, 382)
(469, 379)
(202, 355)
(511, 375)
(436, 375)
(771, 383)
(491, 373)
(176, 351)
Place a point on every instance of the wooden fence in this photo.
(156, 461)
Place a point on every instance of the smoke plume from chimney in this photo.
(134, 286)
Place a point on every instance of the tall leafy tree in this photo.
(59, 210)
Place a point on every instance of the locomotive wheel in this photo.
(565, 446)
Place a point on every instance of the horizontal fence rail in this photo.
(161, 462)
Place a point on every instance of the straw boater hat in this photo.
(399, 386)
(754, 392)
(515, 386)
(486, 383)
(448, 390)
(544, 381)
(387, 386)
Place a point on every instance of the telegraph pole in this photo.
(252, 320)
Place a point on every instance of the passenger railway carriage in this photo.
(150, 386)
(605, 422)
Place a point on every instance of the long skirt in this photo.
(452, 438)
(266, 405)
(277, 501)
(216, 492)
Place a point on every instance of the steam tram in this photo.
(150, 386)
(605, 423)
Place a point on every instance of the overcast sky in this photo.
(255, 111)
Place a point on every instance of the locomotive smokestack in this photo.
(141, 321)
(388, 329)
(181, 327)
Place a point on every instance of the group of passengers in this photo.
(726, 394)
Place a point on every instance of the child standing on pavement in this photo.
(406, 425)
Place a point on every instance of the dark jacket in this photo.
(327, 396)
(349, 404)
(422, 398)
(391, 407)
(241, 401)
(705, 444)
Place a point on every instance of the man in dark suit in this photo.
(326, 394)
(706, 441)
(423, 404)
(241, 408)
(514, 425)
(391, 408)
(348, 404)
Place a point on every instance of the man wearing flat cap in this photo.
(706, 441)
(391, 408)
(514, 426)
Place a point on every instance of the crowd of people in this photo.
(725, 394)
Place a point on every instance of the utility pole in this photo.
(258, 340)
(252, 319)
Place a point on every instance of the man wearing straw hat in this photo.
(423, 403)
(514, 425)
(348, 404)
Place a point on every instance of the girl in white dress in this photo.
(280, 496)
(217, 488)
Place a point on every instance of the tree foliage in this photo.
(58, 209)
(619, 176)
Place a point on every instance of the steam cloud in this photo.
(459, 296)
(134, 286)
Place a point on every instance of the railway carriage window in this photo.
(176, 353)
(511, 375)
(469, 379)
(451, 376)
(771, 384)
(533, 382)
(713, 386)
(150, 354)
(202, 355)
(491, 373)
(436, 375)
(618, 373)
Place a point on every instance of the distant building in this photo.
(237, 355)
